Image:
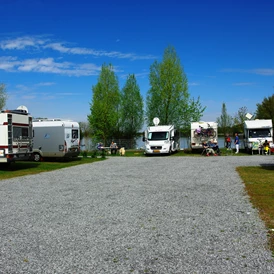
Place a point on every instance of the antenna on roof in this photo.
(156, 121)
(248, 116)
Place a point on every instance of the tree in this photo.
(239, 119)
(225, 121)
(168, 97)
(3, 96)
(132, 112)
(85, 132)
(265, 110)
(103, 116)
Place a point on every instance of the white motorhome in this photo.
(15, 135)
(203, 132)
(161, 139)
(256, 132)
(55, 138)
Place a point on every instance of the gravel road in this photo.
(168, 215)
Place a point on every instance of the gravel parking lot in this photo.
(168, 215)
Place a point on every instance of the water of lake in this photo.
(184, 143)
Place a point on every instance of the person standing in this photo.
(237, 142)
(228, 142)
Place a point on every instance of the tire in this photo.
(196, 135)
(37, 157)
(212, 134)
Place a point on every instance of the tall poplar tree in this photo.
(104, 115)
(168, 97)
(3, 95)
(225, 121)
(132, 112)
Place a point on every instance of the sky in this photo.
(51, 52)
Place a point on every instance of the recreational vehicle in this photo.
(203, 132)
(161, 139)
(15, 135)
(256, 132)
(55, 138)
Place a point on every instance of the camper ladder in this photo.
(10, 133)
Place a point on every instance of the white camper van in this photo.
(256, 132)
(55, 138)
(161, 139)
(15, 135)
(203, 132)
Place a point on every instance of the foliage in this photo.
(85, 130)
(265, 110)
(225, 121)
(259, 185)
(132, 113)
(168, 97)
(104, 117)
(3, 95)
(239, 119)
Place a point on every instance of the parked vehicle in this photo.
(15, 135)
(256, 132)
(203, 132)
(161, 139)
(55, 138)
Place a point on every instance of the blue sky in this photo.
(51, 51)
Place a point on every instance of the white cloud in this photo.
(48, 65)
(267, 72)
(38, 42)
(46, 84)
(259, 71)
(22, 43)
(243, 84)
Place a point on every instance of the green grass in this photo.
(259, 184)
(26, 168)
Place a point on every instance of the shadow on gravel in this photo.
(18, 166)
(268, 166)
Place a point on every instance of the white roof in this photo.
(160, 128)
(203, 124)
(258, 123)
(65, 123)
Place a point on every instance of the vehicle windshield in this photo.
(259, 133)
(158, 135)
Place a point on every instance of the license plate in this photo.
(156, 151)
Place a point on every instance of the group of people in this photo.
(213, 148)
(113, 147)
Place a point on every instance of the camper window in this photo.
(20, 132)
(259, 133)
(74, 134)
(158, 136)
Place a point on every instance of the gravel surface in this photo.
(168, 215)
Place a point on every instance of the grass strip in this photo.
(259, 184)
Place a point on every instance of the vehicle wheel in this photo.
(37, 157)
(213, 134)
(196, 135)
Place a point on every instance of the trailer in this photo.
(161, 139)
(16, 141)
(256, 132)
(55, 138)
(202, 132)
